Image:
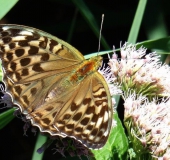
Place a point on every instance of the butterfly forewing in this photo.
(54, 86)
(25, 60)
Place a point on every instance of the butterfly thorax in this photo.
(86, 68)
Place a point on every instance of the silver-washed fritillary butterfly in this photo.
(54, 86)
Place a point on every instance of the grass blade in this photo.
(5, 6)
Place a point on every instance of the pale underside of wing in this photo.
(83, 112)
(35, 65)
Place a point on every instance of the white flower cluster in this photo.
(145, 84)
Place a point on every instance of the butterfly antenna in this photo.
(100, 32)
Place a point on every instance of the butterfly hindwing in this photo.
(82, 112)
(88, 116)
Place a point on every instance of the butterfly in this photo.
(54, 86)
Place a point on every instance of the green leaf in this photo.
(116, 146)
(159, 44)
(162, 44)
(6, 117)
(5, 6)
(155, 26)
(40, 141)
(137, 21)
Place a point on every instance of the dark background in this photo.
(55, 17)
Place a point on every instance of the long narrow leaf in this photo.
(5, 6)
(137, 21)
(6, 117)
(40, 141)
